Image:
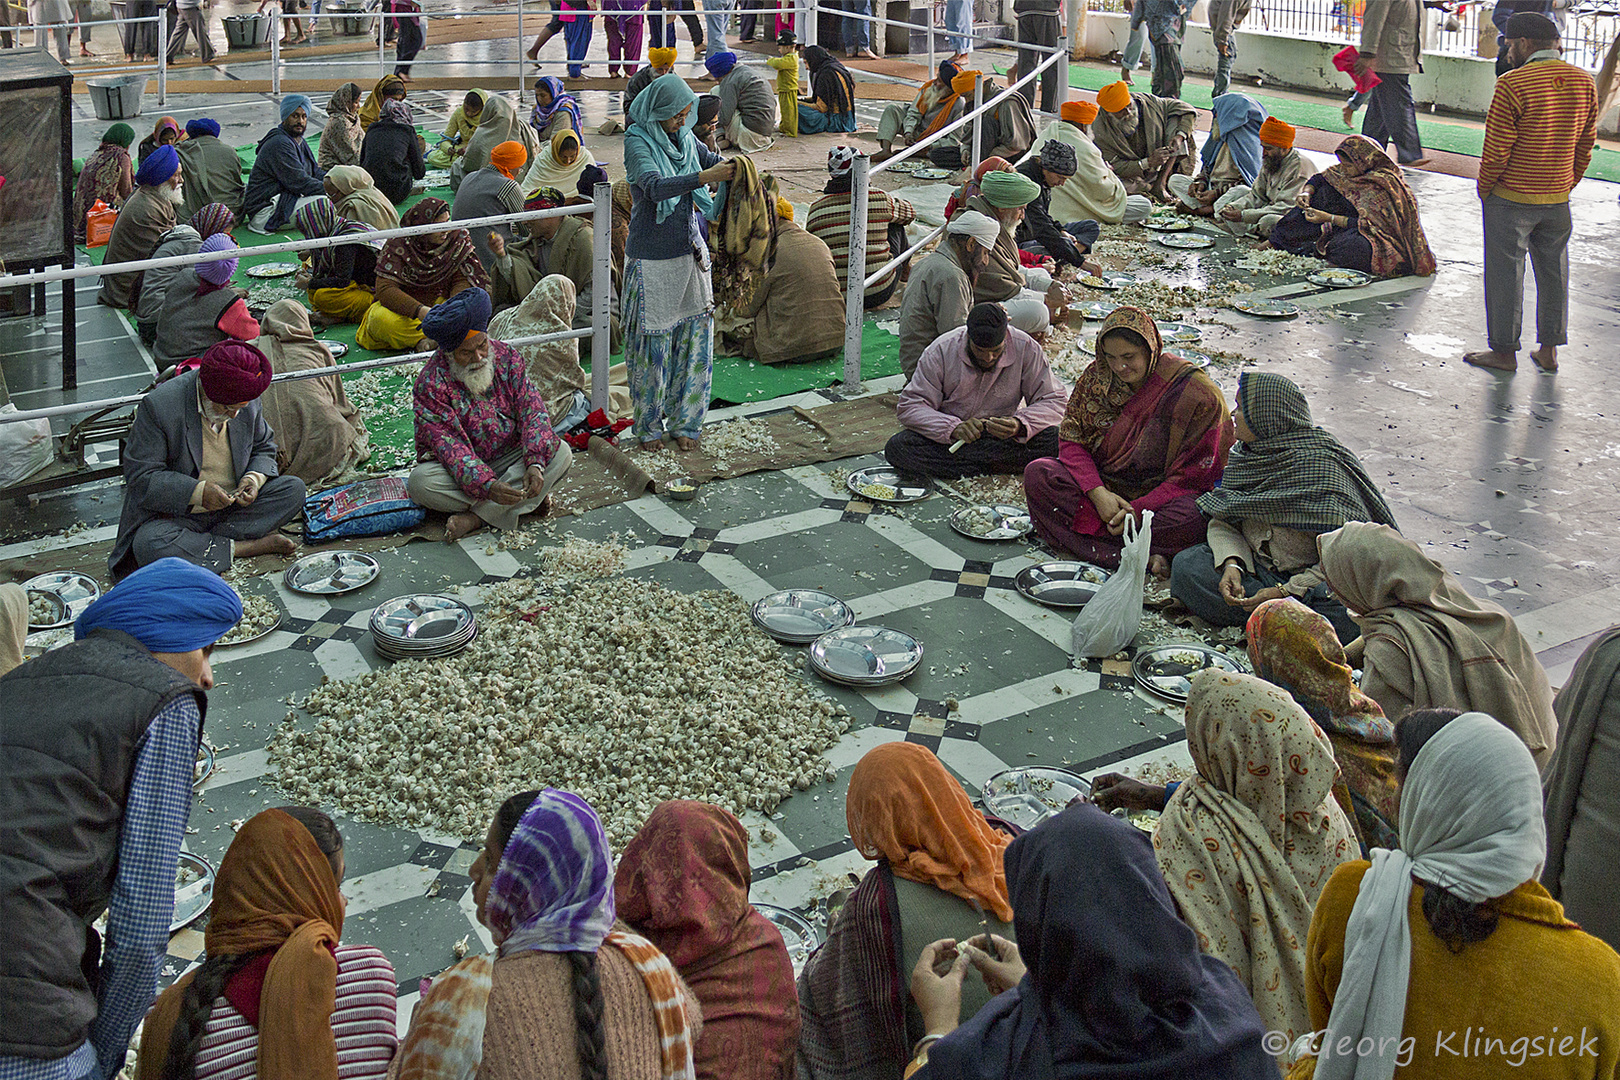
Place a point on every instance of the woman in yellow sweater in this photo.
(1482, 978)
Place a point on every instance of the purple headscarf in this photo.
(219, 271)
(553, 891)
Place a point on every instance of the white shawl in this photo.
(1093, 191)
(1471, 822)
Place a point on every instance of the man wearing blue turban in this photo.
(486, 451)
(209, 168)
(748, 109)
(284, 176)
(100, 743)
(147, 214)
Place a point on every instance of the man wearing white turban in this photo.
(940, 292)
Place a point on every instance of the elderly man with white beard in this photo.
(147, 214)
(485, 449)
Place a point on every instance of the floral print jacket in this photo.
(465, 433)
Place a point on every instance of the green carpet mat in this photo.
(1437, 133)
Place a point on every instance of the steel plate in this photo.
(932, 174)
(1167, 670)
(1061, 584)
(1095, 310)
(799, 616)
(1028, 796)
(76, 591)
(798, 933)
(1178, 332)
(1114, 279)
(337, 348)
(999, 522)
(272, 270)
(1194, 357)
(227, 641)
(1187, 243)
(207, 761)
(885, 485)
(194, 897)
(1338, 277)
(331, 573)
(865, 655)
(1166, 223)
(1269, 309)
(422, 621)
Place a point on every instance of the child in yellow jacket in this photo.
(787, 82)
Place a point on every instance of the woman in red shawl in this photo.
(683, 884)
(1145, 430)
(1358, 214)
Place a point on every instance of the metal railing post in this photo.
(978, 120)
(275, 52)
(855, 297)
(382, 43)
(933, 65)
(519, 55)
(163, 54)
(601, 293)
(1063, 43)
(812, 23)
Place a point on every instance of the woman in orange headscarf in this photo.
(270, 984)
(939, 875)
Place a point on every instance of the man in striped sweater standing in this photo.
(1538, 142)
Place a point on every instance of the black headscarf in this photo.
(1116, 986)
(830, 81)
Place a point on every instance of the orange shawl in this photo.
(275, 891)
(904, 807)
(1385, 206)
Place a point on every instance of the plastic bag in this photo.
(1111, 618)
(25, 448)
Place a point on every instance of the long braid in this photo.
(195, 1007)
(590, 1038)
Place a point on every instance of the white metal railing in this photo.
(600, 210)
(856, 279)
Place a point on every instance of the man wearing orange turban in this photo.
(489, 191)
(1144, 138)
(1253, 209)
(1093, 192)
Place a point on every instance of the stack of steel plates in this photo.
(865, 656)
(422, 626)
(799, 616)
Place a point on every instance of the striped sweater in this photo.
(1539, 132)
(363, 1022)
(829, 219)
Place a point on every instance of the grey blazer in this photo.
(164, 454)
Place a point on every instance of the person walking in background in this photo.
(1538, 142)
(82, 16)
(857, 32)
(1040, 22)
(1392, 46)
(1166, 26)
(405, 15)
(1225, 16)
(1131, 56)
(1501, 12)
(56, 14)
(716, 13)
(959, 24)
(661, 29)
(192, 20)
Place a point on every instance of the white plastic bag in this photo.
(1110, 620)
(25, 448)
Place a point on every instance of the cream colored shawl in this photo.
(1426, 643)
(319, 434)
(358, 198)
(498, 123)
(1248, 844)
(1093, 191)
(554, 366)
(13, 625)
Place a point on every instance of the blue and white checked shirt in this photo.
(142, 902)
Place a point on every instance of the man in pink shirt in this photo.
(986, 386)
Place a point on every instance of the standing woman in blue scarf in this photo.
(668, 311)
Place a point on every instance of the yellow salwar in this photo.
(348, 304)
(382, 329)
(787, 91)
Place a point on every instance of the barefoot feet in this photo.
(1159, 566)
(1496, 361)
(462, 524)
(273, 544)
(686, 443)
(1546, 358)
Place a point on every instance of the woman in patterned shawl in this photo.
(1248, 843)
(107, 175)
(555, 109)
(683, 882)
(565, 978)
(1293, 647)
(1287, 482)
(1359, 214)
(1145, 430)
(416, 272)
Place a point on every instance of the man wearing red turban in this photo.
(200, 476)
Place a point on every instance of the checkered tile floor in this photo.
(996, 688)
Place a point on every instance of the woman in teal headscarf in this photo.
(107, 175)
(668, 311)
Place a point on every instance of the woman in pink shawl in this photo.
(683, 884)
(1145, 430)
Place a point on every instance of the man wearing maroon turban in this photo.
(200, 477)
